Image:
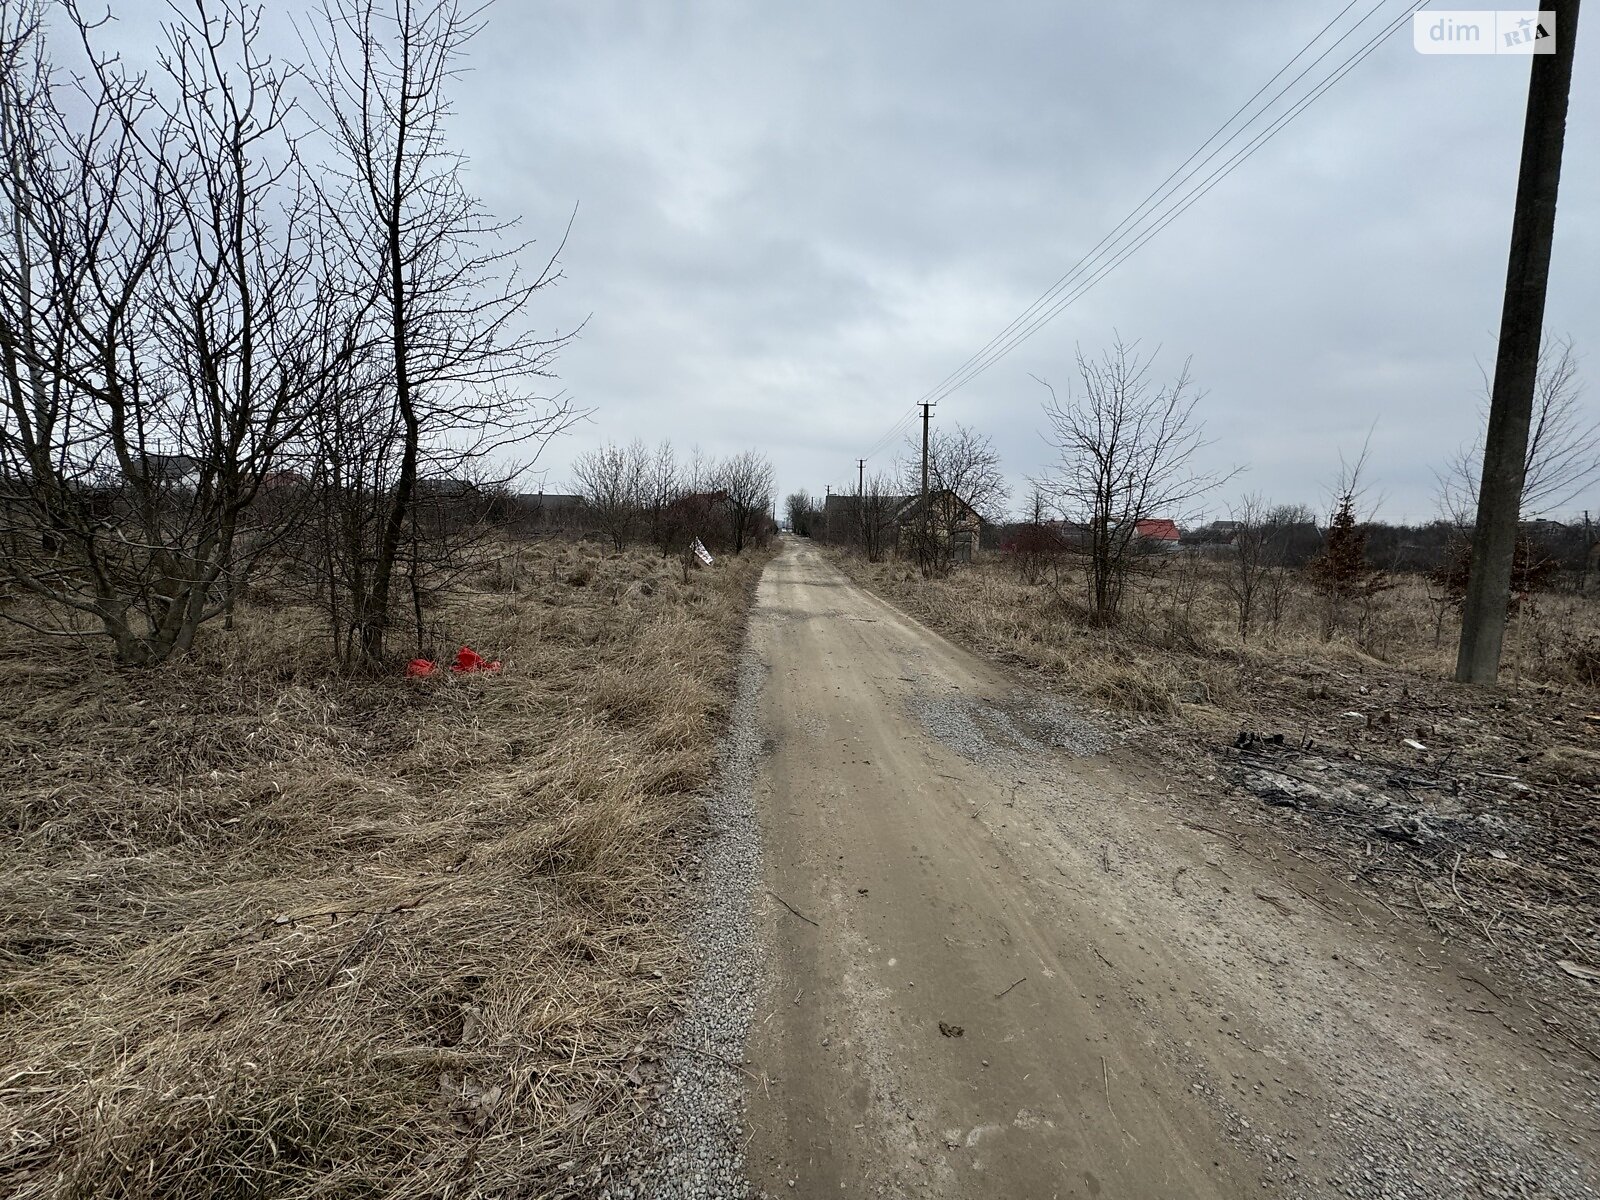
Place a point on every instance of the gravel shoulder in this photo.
(693, 1145)
(1002, 960)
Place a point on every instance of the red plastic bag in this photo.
(468, 659)
(420, 668)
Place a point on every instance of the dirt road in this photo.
(1002, 963)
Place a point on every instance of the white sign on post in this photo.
(701, 552)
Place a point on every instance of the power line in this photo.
(1181, 205)
(894, 432)
(1053, 301)
(1157, 190)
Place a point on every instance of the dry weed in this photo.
(273, 932)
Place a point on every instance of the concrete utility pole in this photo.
(861, 482)
(1494, 540)
(926, 409)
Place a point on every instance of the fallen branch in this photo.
(1024, 979)
(792, 908)
(727, 1062)
(1484, 986)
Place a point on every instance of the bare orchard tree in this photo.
(747, 480)
(799, 507)
(1249, 560)
(964, 480)
(163, 321)
(660, 485)
(1127, 451)
(1563, 443)
(449, 309)
(880, 501)
(609, 480)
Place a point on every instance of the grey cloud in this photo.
(794, 219)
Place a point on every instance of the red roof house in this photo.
(1157, 529)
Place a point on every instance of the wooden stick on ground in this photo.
(792, 908)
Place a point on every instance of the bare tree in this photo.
(800, 508)
(1127, 452)
(609, 479)
(449, 307)
(747, 480)
(964, 479)
(661, 483)
(163, 321)
(1563, 454)
(1037, 545)
(880, 501)
(1248, 559)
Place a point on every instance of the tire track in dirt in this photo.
(1144, 1009)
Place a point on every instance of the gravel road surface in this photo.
(1004, 959)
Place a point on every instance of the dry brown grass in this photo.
(1179, 629)
(273, 932)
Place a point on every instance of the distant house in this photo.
(172, 470)
(282, 481)
(1157, 533)
(950, 518)
(1214, 538)
(442, 488)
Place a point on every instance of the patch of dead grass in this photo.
(269, 931)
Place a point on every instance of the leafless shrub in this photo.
(805, 518)
(965, 486)
(746, 484)
(1037, 546)
(1126, 453)
(1563, 454)
(661, 483)
(610, 479)
(1249, 560)
(442, 308)
(876, 523)
(168, 321)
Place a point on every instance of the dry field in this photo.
(269, 931)
(1489, 833)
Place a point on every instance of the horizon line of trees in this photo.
(1127, 446)
(632, 493)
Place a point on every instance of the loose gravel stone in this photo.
(1007, 732)
(699, 1125)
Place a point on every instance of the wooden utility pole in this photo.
(1483, 618)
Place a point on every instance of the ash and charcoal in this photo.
(1422, 805)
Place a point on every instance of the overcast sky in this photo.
(794, 219)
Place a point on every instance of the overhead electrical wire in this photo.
(1155, 193)
(1144, 222)
(893, 434)
(1164, 218)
